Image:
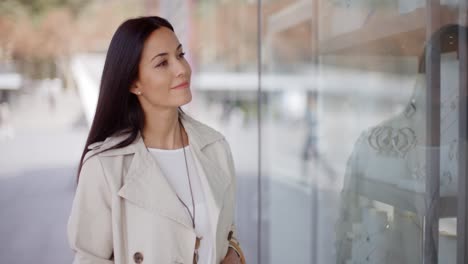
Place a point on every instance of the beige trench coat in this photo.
(125, 211)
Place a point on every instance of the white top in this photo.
(172, 164)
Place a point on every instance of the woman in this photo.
(154, 185)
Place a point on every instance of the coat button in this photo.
(138, 257)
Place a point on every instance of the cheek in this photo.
(154, 81)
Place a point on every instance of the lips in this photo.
(181, 86)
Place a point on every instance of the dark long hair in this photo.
(118, 111)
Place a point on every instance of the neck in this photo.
(162, 129)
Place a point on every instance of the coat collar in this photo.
(145, 185)
(200, 136)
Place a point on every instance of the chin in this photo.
(185, 100)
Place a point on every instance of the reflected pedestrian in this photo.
(310, 147)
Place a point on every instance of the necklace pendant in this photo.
(196, 256)
(197, 242)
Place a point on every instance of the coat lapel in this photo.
(211, 178)
(145, 185)
(217, 179)
(214, 179)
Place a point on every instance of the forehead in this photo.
(159, 41)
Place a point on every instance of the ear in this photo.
(135, 88)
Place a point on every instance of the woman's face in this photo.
(164, 73)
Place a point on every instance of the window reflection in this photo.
(385, 199)
(330, 70)
(360, 61)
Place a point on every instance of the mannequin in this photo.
(379, 224)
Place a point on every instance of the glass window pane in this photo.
(360, 130)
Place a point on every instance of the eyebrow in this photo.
(165, 53)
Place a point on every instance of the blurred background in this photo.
(348, 148)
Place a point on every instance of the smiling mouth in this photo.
(181, 86)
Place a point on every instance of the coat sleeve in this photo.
(232, 172)
(89, 224)
(234, 240)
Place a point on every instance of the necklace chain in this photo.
(196, 256)
(192, 216)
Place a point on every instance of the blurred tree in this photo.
(40, 36)
(37, 33)
(37, 8)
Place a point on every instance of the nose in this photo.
(182, 68)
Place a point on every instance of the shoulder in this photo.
(92, 175)
(207, 138)
(200, 133)
(200, 126)
(108, 147)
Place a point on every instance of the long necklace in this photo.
(196, 256)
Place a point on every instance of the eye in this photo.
(162, 64)
(182, 55)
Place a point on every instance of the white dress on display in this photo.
(383, 197)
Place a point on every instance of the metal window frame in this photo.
(431, 219)
(462, 216)
(431, 224)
